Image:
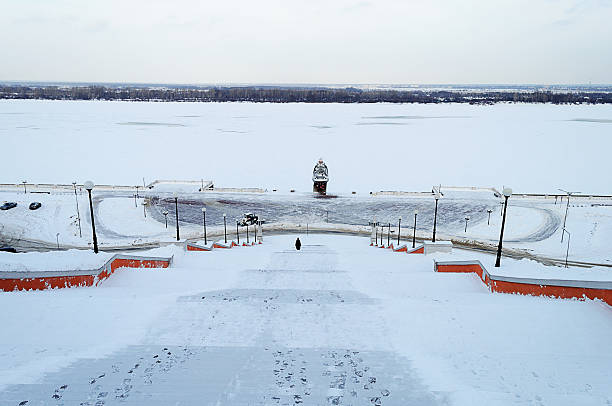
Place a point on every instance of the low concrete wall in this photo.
(555, 288)
(418, 249)
(439, 246)
(191, 246)
(224, 245)
(41, 280)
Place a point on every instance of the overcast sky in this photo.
(307, 41)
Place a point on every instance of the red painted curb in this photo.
(561, 289)
(89, 278)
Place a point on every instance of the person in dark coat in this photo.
(298, 244)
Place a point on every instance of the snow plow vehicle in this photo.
(248, 219)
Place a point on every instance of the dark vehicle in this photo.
(8, 249)
(35, 205)
(248, 219)
(8, 205)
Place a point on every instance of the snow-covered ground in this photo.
(336, 323)
(57, 215)
(529, 220)
(533, 226)
(367, 147)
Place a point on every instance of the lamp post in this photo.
(260, 231)
(225, 227)
(399, 230)
(76, 198)
(376, 232)
(466, 221)
(24, 186)
(437, 197)
(507, 193)
(489, 219)
(382, 233)
(566, 209)
(204, 221)
(144, 208)
(89, 186)
(165, 213)
(414, 229)
(177, 216)
(569, 237)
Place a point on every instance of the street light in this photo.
(507, 193)
(437, 197)
(399, 229)
(89, 185)
(569, 237)
(260, 222)
(177, 216)
(77, 204)
(225, 227)
(24, 186)
(414, 229)
(165, 213)
(466, 221)
(566, 209)
(375, 229)
(489, 219)
(204, 220)
(144, 208)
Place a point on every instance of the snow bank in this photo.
(70, 260)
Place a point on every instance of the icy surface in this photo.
(367, 147)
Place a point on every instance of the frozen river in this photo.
(368, 147)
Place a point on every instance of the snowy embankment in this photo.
(444, 335)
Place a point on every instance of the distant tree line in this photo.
(299, 95)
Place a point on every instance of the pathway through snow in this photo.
(294, 332)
